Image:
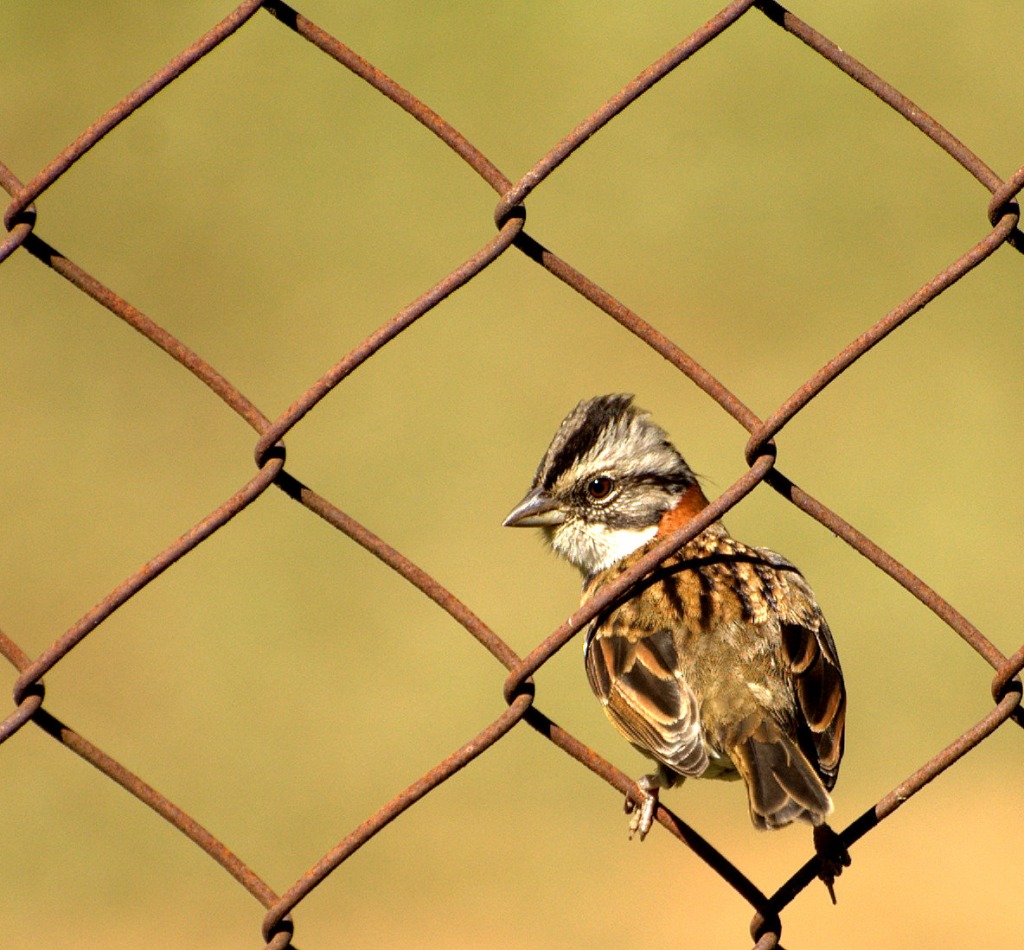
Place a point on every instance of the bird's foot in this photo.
(642, 809)
(832, 856)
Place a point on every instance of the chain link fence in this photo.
(32, 706)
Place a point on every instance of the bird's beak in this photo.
(537, 510)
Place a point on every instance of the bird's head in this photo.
(604, 484)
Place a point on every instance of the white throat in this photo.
(596, 546)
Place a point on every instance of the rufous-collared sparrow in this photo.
(718, 664)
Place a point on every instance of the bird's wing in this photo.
(817, 678)
(645, 696)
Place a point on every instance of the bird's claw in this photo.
(642, 807)
(832, 856)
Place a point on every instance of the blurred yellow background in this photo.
(279, 684)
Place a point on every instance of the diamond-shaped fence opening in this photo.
(279, 669)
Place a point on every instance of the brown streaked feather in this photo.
(645, 697)
(673, 659)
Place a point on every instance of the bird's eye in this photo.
(600, 487)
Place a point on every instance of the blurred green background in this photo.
(279, 684)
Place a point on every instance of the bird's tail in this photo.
(782, 785)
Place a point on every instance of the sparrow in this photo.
(719, 663)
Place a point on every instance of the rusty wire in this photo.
(277, 927)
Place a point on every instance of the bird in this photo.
(719, 663)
